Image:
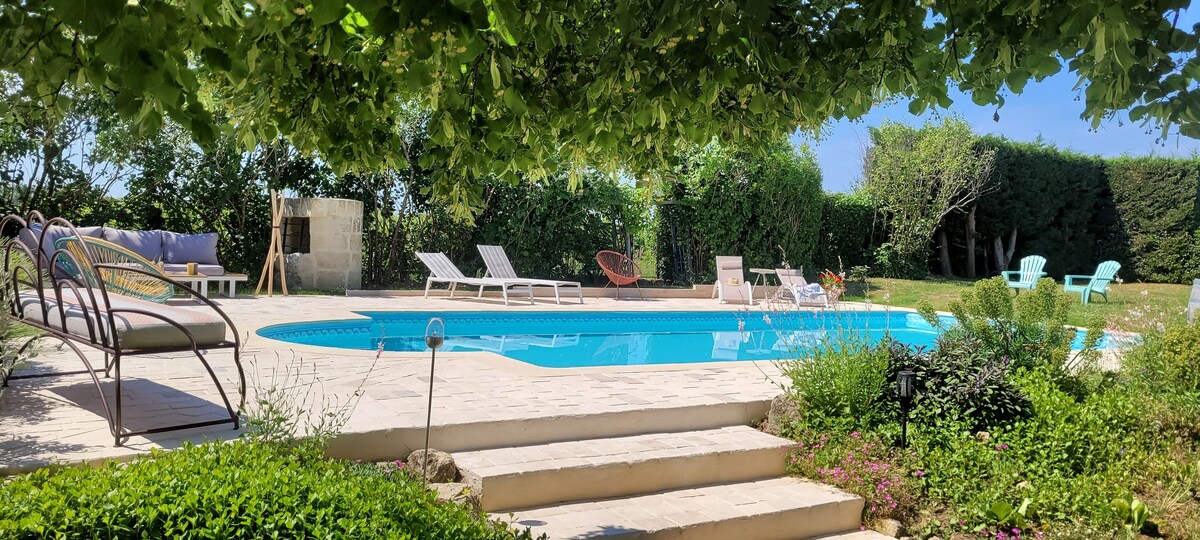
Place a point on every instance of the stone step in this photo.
(777, 508)
(858, 535)
(465, 435)
(539, 475)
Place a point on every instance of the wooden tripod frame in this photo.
(275, 252)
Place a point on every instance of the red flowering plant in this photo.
(834, 284)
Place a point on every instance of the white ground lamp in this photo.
(435, 336)
(904, 388)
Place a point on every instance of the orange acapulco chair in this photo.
(621, 270)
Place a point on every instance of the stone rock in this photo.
(889, 527)
(459, 493)
(785, 411)
(935, 538)
(983, 437)
(441, 466)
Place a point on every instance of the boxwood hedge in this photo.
(233, 491)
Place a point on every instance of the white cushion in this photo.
(134, 330)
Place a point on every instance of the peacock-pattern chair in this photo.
(92, 251)
(621, 270)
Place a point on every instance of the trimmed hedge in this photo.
(847, 231)
(239, 490)
(1059, 203)
(1156, 200)
(734, 203)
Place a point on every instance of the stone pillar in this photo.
(335, 252)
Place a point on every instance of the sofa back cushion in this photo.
(30, 235)
(186, 248)
(148, 244)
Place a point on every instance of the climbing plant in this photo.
(516, 86)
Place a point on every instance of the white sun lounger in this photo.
(498, 266)
(441, 270)
(803, 292)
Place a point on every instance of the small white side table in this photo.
(761, 279)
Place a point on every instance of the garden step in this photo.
(777, 508)
(597, 468)
(858, 535)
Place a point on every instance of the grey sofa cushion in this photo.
(148, 244)
(134, 330)
(30, 235)
(186, 248)
(206, 269)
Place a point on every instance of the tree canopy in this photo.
(523, 87)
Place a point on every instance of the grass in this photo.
(940, 292)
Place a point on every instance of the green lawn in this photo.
(940, 292)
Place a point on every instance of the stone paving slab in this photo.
(59, 420)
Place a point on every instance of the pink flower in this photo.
(854, 434)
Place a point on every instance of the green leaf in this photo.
(327, 11)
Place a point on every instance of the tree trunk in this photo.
(1003, 255)
(971, 243)
(944, 253)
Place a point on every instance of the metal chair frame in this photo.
(101, 324)
(620, 269)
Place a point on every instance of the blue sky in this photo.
(1047, 109)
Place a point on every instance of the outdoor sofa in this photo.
(173, 250)
(73, 305)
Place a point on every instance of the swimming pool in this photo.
(578, 339)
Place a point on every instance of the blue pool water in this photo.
(577, 339)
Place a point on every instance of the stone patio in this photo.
(481, 399)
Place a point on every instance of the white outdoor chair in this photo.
(730, 269)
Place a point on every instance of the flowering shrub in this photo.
(834, 284)
(861, 465)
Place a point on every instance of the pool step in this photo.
(777, 508)
(527, 476)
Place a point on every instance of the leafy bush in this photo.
(231, 491)
(766, 208)
(959, 380)
(1029, 330)
(839, 384)
(1181, 357)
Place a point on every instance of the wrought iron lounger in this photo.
(80, 311)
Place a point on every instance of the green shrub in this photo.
(1030, 329)
(231, 491)
(1181, 357)
(766, 208)
(959, 380)
(839, 384)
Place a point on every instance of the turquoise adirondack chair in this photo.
(1026, 278)
(1096, 283)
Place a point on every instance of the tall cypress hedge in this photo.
(1157, 210)
(1058, 202)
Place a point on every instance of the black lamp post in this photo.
(435, 336)
(904, 387)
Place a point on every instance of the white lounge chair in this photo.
(803, 292)
(498, 266)
(441, 270)
(730, 268)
